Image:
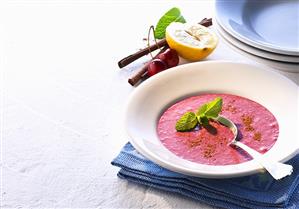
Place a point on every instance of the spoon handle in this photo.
(276, 169)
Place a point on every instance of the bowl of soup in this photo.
(263, 104)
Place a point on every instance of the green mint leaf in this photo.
(209, 110)
(201, 111)
(187, 122)
(214, 108)
(173, 15)
(205, 112)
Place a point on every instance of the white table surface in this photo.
(62, 98)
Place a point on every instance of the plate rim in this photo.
(255, 51)
(288, 67)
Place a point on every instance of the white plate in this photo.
(271, 25)
(283, 66)
(256, 51)
(277, 93)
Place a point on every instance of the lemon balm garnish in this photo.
(192, 41)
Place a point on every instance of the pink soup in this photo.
(257, 128)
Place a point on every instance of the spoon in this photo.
(276, 169)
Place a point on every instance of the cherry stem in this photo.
(148, 38)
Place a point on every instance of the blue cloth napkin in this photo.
(259, 191)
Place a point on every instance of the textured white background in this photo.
(62, 99)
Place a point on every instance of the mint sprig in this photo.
(204, 113)
(173, 15)
(187, 122)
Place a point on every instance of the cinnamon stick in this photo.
(143, 71)
(131, 58)
(206, 22)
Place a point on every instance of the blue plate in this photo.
(271, 25)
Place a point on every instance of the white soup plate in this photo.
(148, 101)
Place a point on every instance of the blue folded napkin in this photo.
(255, 191)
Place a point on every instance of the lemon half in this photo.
(191, 41)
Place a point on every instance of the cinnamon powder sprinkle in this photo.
(194, 143)
(257, 136)
(222, 140)
(230, 108)
(209, 151)
(249, 128)
(247, 121)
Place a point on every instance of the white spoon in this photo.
(276, 169)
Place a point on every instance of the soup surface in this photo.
(257, 128)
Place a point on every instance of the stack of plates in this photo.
(266, 31)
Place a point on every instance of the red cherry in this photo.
(156, 66)
(170, 57)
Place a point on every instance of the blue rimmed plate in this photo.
(257, 55)
(271, 25)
